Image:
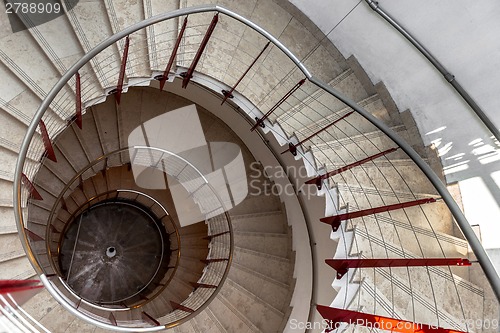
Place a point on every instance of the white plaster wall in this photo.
(464, 36)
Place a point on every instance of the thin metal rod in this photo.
(229, 94)
(78, 100)
(121, 77)
(439, 66)
(189, 74)
(293, 147)
(164, 77)
(260, 121)
(74, 248)
(318, 180)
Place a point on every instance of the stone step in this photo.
(267, 222)
(8, 229)
(229, 317)
(63, 50)
(106, 122)
(188, 274)
(10, 247)
(6, 191)
(20, 102)
(189, 240)
(269, 290)
(13, 132)
(364, 197)
(397, 301)
(91, 25)
(58, 319)
(271, 243)
(180, 288)
(401, 175)
(6, 256)
(257, 311)
(122, 14)
(69, 145)
(353, 124)
(48, 181)
(276, 268)
(321, 105)
(17, 105)
(200, 252)
(441, 278)
(78, 325)
(16, 269)
(187, 327)
(62, 169)
(7, 220)
(401, 232)
(191, 264)
(161, 36)
(365, 144)
(206, 321)
(88, 137)
(22, 56)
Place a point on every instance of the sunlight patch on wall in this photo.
(481, 208)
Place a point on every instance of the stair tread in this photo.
(90, 23)
(121, 14)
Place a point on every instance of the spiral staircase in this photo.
(310, 162)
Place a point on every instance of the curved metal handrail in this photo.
(483, 259)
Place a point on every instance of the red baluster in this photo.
(34, 237)
(318, 179)
(189, 74)
(260, 122)
(343, 265)
(177, 306)
(148, 318)
(335, 220)
(46, 142)
(163, 78)
(31, 188)
(293, 148)
(121, 77)
(335, 316)
(229, 94)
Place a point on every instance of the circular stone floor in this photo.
(112, 252)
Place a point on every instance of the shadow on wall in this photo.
(205, 179)
(34, 13)
(475, 165)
